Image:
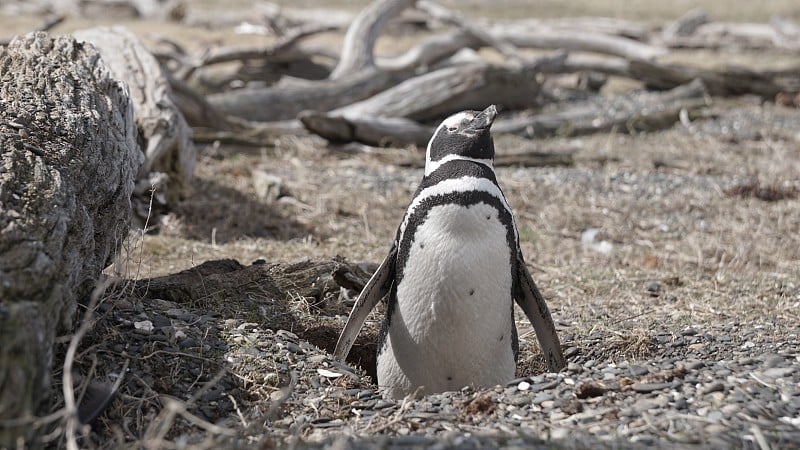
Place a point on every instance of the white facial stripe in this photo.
(451, 122)
(463, 184)
(431, 166)
(455, 120)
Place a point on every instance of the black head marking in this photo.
(464, 134)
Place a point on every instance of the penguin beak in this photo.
(484, 119)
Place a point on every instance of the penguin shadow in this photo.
(218, 212)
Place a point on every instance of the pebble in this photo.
(703, 392)
(778, 372)
(649, 387)
(294, 348)
(638, 370)
(717, 386)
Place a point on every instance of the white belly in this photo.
(451, 326)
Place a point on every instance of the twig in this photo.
(759, 437)
(238, 411)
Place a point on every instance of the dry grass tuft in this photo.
(767, 193)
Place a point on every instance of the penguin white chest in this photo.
(452, 322)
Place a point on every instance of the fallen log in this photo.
(625, 113)
(569, 40)
(724, 81)
(69, 160)
(359, 41)
(430, 51)
(376, 131)
(686, 25)
(284, 103)
(170, 156)
(580, 24)
(444, 91)
(195, 108)
(779, 34)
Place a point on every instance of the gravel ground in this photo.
(728, 385)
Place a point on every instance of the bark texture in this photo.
(170, 155)
(68, 158)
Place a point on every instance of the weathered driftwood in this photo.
(686, 25)
(195, 108)
(430, 51)
(444, 91)
(359, 41)
(283, 49)
(722, 81)
(170, 156)
(283, 103)
(376, 131)
(581, 24)
(780, 33)
(69, 159)
(625, 113)
(570, 40)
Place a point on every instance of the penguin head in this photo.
(464, 135)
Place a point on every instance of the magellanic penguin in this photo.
(452, 276)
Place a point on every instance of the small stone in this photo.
(294, 348)
(778, 372)
(638, 370)
(654, 289)
(716, 386)
(773, 361)
(523, 386)
(381, 404)
(729, 409)
(544, 386)
(694, 365)
(160, 321)
(542, 397)
(716, 429)
(689, 332)
(143, 327)
(644, 388)
(570, 352)
(589, 389)
(516, 381)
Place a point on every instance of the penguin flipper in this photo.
(533, 304)
(375, 289)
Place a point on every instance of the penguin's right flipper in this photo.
(376, 288)
(533, 305)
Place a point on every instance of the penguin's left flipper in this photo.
(376, 288)
(532, 303)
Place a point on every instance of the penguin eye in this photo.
(451, 129)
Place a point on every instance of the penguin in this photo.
(452, 276)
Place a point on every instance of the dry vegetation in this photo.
(699, 227)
